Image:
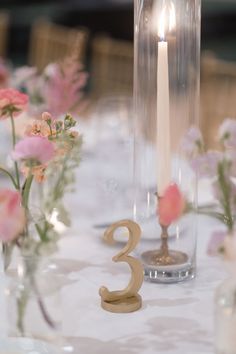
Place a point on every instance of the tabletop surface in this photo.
(174, 319)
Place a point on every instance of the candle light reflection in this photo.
(167, 20)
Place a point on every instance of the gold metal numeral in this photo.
(127, 300)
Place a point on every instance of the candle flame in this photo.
(167, 20)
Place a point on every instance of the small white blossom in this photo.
(192, 142)
(206, 165)
(227, 133)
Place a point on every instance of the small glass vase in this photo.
(225, 317)
(33, 302)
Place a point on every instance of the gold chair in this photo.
(112, 67)
(50, 42)
(4, 26)
(218, 95)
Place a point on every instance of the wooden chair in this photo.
(4, 26)
(112, 67)
(218, 95)
(50, 42)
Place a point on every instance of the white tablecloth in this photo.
(174, 319)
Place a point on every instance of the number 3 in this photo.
(127, 300)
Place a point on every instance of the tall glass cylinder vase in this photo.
(166, 104)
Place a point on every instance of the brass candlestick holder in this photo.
(164, 260)
(164, 256)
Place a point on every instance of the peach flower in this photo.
(171, 205)
(37, 171)
(12, 215)
(12, 101)
(38, 128)
(34, 148)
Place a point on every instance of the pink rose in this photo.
(34, 148)
(12, 101)
(12, 215)
(171, 205)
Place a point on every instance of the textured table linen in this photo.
(174, 319)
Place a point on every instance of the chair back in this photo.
(4, 27)
(50, 43)
(218, 95)
(112, 67)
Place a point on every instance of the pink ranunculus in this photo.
(171, 205)
(12, 215)
(34, 148)
(13, 101)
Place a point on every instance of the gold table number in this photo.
(127, 300)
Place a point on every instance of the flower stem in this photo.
(26, 190)
(10, 176)
(14, 143)
(21, 307)
(225, 187)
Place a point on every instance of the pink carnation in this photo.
(171, 205)
(12, 101)
(12, 215)
(35, 148)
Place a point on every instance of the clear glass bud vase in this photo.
(225, 317)
(33, 301)
(166, 105)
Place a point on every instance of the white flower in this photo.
(206, 165)
(50, 70)
(227, 133)
(192, 142)
(22, 75)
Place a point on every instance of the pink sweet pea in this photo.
(171, 205)
(34, 148)
(12, 215)
(216, 243)
(12, 102)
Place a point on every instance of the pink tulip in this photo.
(34, 148)
(171, 205)
(13, 101)
(12, 215)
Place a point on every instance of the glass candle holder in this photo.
(166, 106)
